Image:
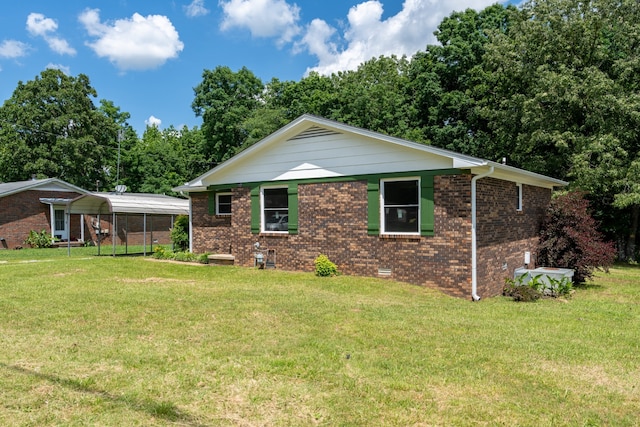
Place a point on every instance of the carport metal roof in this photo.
(129, 203)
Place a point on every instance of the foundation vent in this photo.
(384, 272)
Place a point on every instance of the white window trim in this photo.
(263, 228)
(519, 206)
(383, 224)
(218, 203)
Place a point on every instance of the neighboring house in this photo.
(70, 213)
(374, 204)
(38, 204)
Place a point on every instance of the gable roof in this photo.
(314, 147)
(48, 184)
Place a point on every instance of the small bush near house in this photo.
(519, 291)
(569, 238)
(161, 253)
(180, 233)
(39, 240)
(324, 266)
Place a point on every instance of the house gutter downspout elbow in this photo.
(474, 242)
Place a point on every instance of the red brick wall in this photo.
(504, 234)
(23, 212)
(332, 219)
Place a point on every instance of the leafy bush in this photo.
(159, 252)
(180, 233)
(531, 288)
(324, 267)
(39, 240)
(569, 238)
(520, 292)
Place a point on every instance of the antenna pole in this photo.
(118, 168)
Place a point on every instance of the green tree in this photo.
(225, 99)
(447, 81)
(50, 127)
(164, 159)
(565, 97)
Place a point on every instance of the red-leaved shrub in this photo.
(569, 238)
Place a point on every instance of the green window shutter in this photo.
(426, 205)
(255, 209)
(212, 203)
(373, 199)
(292, 192)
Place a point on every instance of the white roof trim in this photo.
(9, 188)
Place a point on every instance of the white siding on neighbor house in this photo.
(327, 155)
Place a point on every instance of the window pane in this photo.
(401, 193)
(401, 220)
(59, 216)
(224, 203)
(276, 220)
(276, 198)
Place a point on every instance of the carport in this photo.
(118, 208)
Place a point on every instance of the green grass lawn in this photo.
(88, 340)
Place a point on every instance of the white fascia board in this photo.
(520, 176)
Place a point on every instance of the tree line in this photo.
(551, 85)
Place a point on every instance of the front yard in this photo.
(126, 341)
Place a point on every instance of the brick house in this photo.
(374, 204)
(38, 204)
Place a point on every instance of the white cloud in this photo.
(138, 43)
(41, 26)
(13, 49)
(153, 122)
(263, 18)
(366, 35)
(65, 69)
(195, 8)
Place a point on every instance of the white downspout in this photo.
(474, 243)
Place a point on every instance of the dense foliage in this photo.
(180, 233)
(553, 86)
(570, 239)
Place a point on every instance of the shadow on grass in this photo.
(163, 410)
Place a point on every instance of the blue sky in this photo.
(147, 55)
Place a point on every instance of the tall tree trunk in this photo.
(631, 241)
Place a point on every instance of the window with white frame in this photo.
(400, 206)
(275, 209)
(59, 220)
(223, 203)
(518, 197)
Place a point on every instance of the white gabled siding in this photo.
(330, 154)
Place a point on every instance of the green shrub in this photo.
(324, 267)
(180, 233)
(39, 240)
(159, 252)
(520, 291)
(203, 258)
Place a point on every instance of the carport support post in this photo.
(98, 234)
(68, 215)
(170, 229)
(126, 233)
(151, 239)
(113, 232)
(144, 233)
